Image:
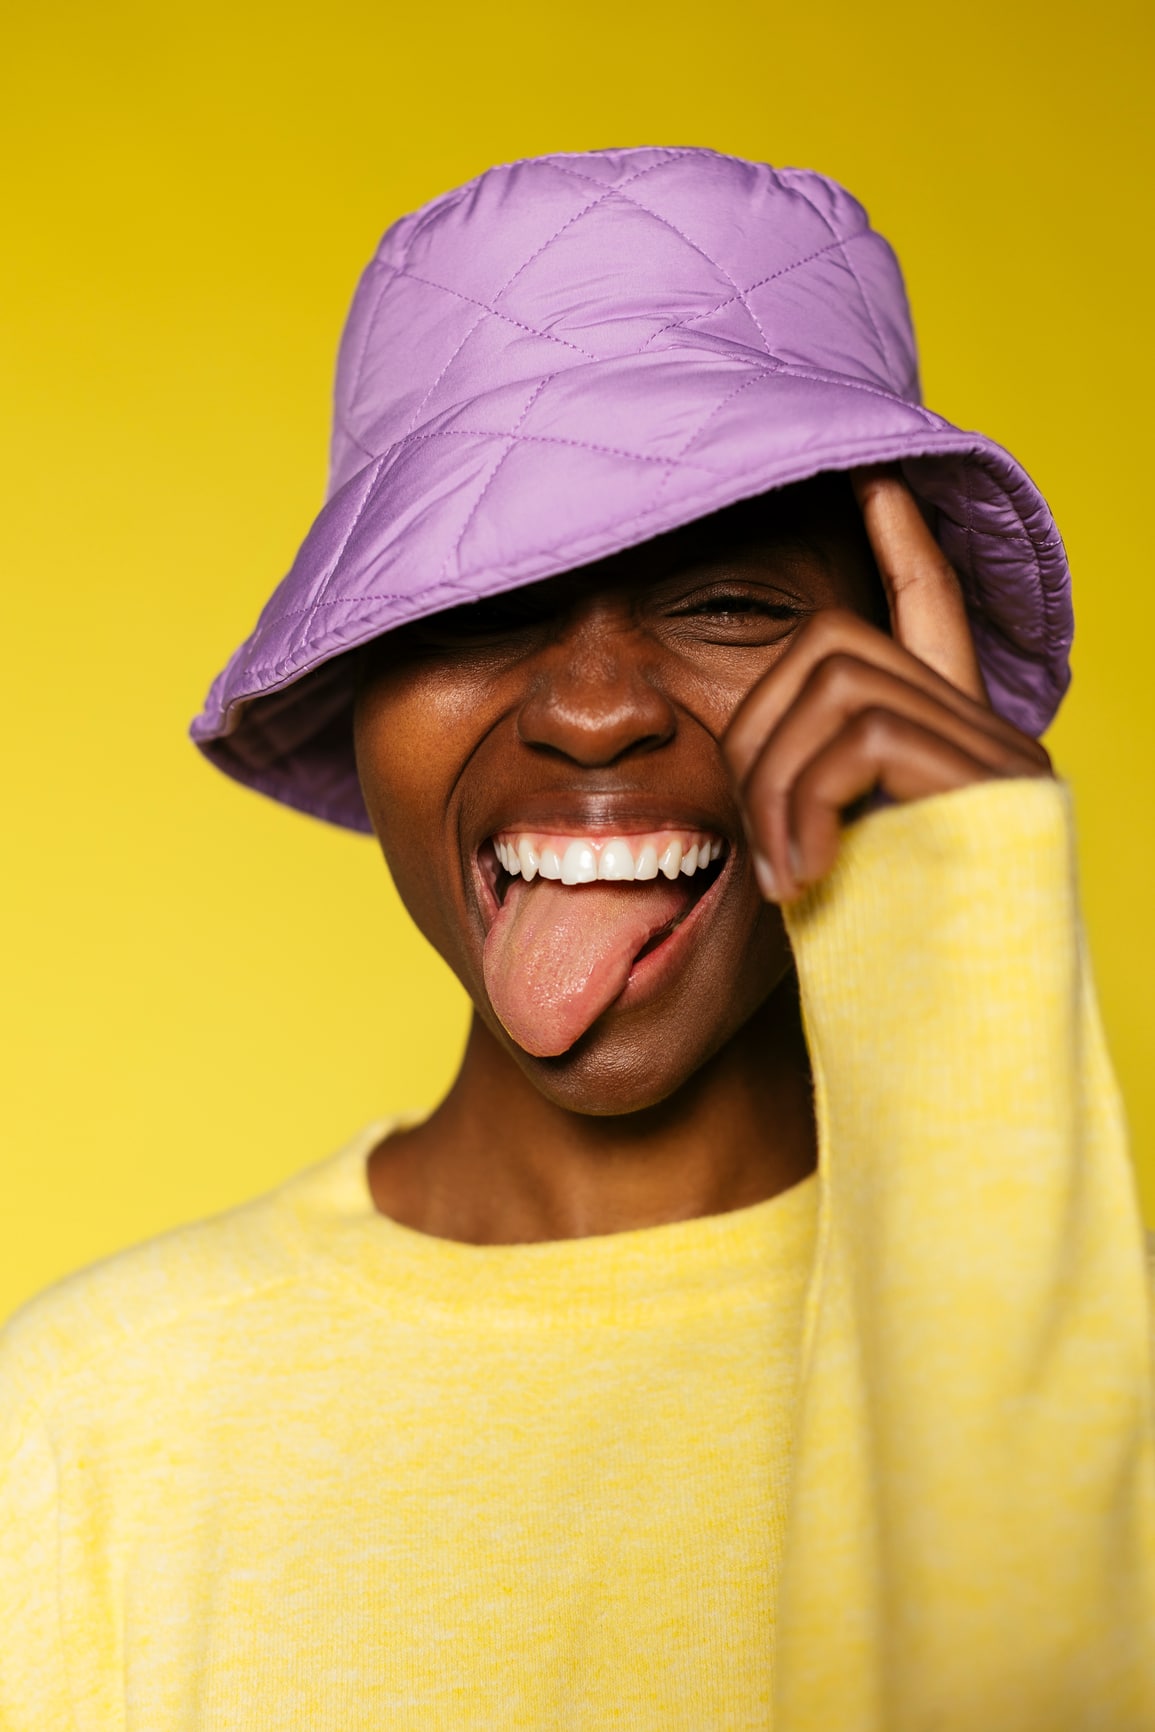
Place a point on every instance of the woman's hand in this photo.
(849, 712)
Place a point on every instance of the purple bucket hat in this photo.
(574, 353)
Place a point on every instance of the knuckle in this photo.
(829, 629)
(874, 728)
(837, 677)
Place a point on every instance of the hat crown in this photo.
(544, 266)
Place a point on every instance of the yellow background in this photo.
(204, 991)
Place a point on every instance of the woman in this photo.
(757, 1333)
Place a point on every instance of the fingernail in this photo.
(767, 880)
(795, 859)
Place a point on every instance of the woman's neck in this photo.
(499, 1163)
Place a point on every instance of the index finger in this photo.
(927, 610)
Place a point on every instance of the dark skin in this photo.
(757, 675)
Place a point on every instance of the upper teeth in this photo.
(582, 859)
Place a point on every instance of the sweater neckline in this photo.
(642, 1274)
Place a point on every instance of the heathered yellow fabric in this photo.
(303, 1468)
(875, 1456)
(971, 1542)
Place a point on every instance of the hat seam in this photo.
(760, 370)
(826, 461)
(459, 584)
(389, 509)
(1022, 536)
(497, 313)
(370, 490)
(538, 252)
(606, 194)
(780, 367)
(546, 439)
(1048, 599)
(511, 438)
(388, 272)
(708, 313)
(884, 353)
(656, 216)
(494, 473)
(740, 292)
(355, 439)
(838, 242)
(681, 460)
(1056, 687)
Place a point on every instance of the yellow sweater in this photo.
(875, 1456)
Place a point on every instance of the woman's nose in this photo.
(594, 698)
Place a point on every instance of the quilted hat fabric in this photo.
(574, 353)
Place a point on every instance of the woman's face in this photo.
(574, 727)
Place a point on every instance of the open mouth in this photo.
(572, 916)
(613, 859)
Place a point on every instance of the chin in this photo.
(616, 1068)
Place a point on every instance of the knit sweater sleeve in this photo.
(34, 1693)
(971, 1540)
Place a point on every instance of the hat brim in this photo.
(477, 504)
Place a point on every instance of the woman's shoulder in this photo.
(144, 1304)
(84, 1323)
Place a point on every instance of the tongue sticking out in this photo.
(558, 955)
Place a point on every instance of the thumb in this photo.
(927, 611)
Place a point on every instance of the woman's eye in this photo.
(732, 604)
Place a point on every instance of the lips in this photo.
(575, 912)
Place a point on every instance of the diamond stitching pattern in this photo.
(755, 378)
(539, 252)
(520, 438)
(655, 216)
(858, 283)
(773, 277)
(511, 437)
(497, 313)
(284, 644)
(785, 369)
(606, 194)
(462, 587)
(489, 312)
